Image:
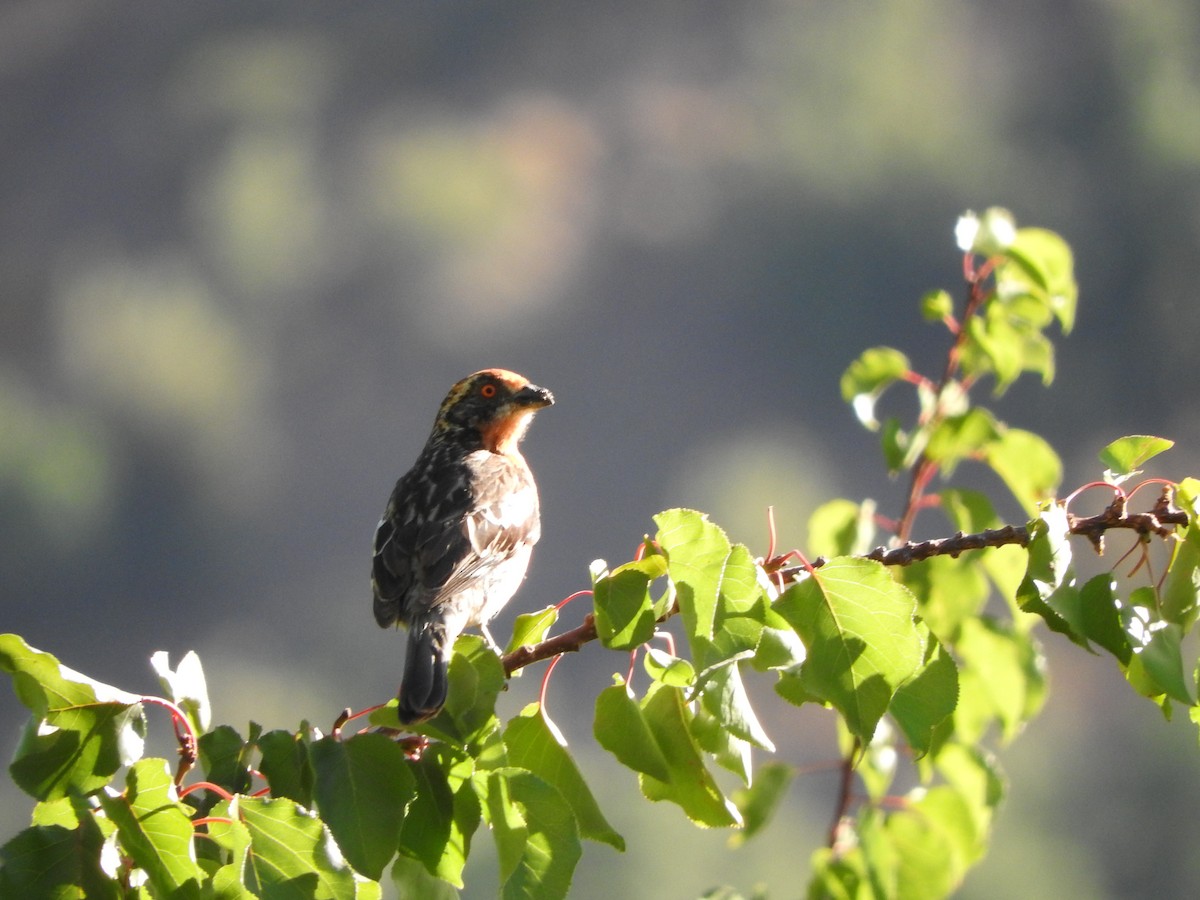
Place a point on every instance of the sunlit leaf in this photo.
(689, 783)
(532, 745)
(624, 611)
(531, 628)
(927, 699)
(154, 829)
(291, 853)
(186, 687)
(1124, 456)
(362, 788)
(863, 643)
(1028, 465)
(621, 729)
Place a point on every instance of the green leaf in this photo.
(551, 840)
(728, 751)
(935, 840)
(185, 687)
(154, 830)
(960, 437)
(1048, 262)
(758, 803)
(1100, 617)
(1181, 590)
(1126, 455)
(1156, 647)
(621, 728)
(531, 745)
(841, 528)
(862, 641)
(57, 860)
(928, 699)
(444, 813)
(1049, 586)
(868, 377)
(624, 611)
(690, 785)
(948, 590)
(291, 853)
(936, 306)
(1028, 465)
(726, 699)
(286, 766)
(413, 882)
(673, 670)
(362, 788)
(531, 628)
(225, 758)
(82, 731)
(1001, 678)
(721, 602)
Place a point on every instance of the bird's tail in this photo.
(426, 671)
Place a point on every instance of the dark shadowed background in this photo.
(246, 248)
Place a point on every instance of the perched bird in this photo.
(454, 543)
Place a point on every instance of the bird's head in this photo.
(494, 406)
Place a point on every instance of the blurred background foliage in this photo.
(244, 250)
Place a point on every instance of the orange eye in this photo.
(488, 391)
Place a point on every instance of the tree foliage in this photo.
(926, 652)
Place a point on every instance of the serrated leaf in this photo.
(725, 698)
(154, 830)
(759, 802)
(862, 641)
(1124, 456)
(362, 788)
(865, 380)
(948, 590)
(532, 745)
(1100, 617)
(551, 849)
(624, 610)
(291, 853)
(186, 687)
(622, 730)
(444, 813)
(927, 699)
(413, 882)
(690, 785)
(81, 732)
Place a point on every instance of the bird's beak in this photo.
(533, 397)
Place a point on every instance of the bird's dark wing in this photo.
(420, 541)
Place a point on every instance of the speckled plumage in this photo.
(454, 542)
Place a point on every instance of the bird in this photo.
(453, 544)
